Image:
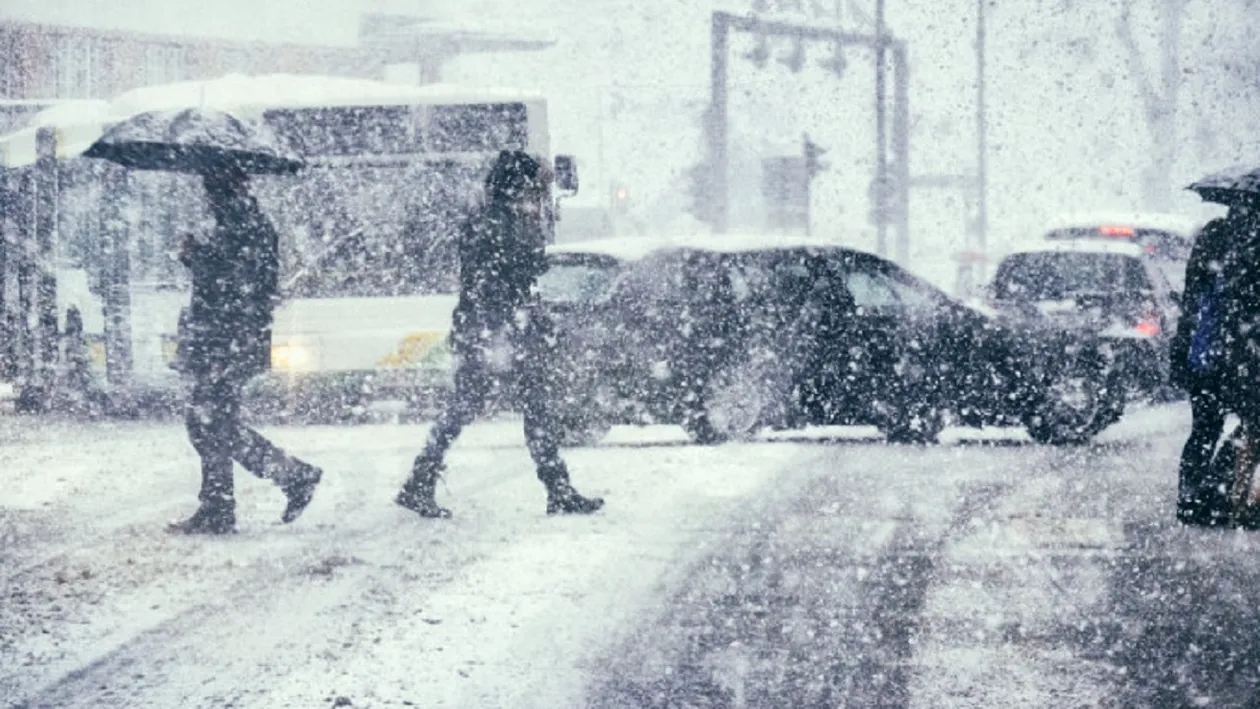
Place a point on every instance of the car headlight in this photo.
(290, 357)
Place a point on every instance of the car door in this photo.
(874, 334)
(946, 341)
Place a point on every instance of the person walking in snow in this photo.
(496, 325)
(1199, 498)
(226, 341)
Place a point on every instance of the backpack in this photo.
(1207, 342)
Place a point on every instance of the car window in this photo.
(572, 283)
(678, 277)
(657, 278)
(1055, 275)
(872, 292)
(915, 296)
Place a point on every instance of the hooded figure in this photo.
(1212, 357)
(226, 341)
(495, 330)
(1199, 500)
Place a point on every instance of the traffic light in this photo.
(813, 154)
(620, 199)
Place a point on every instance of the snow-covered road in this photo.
(935, 555)
(500, 606)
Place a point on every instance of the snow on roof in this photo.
(1176, 223)
(80, 123)
(1091, 246)
(240, 92)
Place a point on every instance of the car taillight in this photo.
(1147, 328)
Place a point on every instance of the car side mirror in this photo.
(566, 174)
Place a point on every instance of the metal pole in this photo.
(881, 130)
(45, 234)
(901, 149)
(717, 123)
(982, 130)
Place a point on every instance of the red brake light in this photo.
(1147, 328)
(1125, 231)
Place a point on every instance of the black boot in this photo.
(213, 517)
(563, 499)
(417, 494)
(299, 487)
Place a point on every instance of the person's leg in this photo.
(542, 434)
(1197, 498)
(209, 421)
(296, 478)
(467, 397)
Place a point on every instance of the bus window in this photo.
(347, 130)
(375, 231)
(478, 127)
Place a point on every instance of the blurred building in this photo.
(42, 63)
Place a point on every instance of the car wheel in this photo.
(920, 425)
(581, 429)
(733, 404)
(913, 416)
(1079, 401)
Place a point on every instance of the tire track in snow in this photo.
(816, 605)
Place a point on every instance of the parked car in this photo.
(728, 335)
(1165, 239)
(1109, 292)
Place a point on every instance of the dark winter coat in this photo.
(1240, 376)
(1206, 260)
(501, 255)
(235, 276)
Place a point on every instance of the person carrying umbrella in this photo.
(501, 254)
(1199, 499)
(226, 342)
(225, 331)
(1214, 353)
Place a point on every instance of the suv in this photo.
(1105, 292)
(726, 336)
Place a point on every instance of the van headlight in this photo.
(290, 357)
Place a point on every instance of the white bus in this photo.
(369, 269)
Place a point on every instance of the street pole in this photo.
(901, 150)
(881, 130)
(982, 130)
(717, 123)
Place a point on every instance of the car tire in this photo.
(579, 430)
(733, 404)
(920, 425)
(914, 416)
(1081, 399)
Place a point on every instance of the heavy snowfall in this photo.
(817, 354)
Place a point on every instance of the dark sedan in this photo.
(727, 336)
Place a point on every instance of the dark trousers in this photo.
(213, 420)
(473, 383)
(1197, 490)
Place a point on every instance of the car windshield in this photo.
(1056, 275)
(570, 283)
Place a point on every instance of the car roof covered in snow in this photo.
(1085, 246)
(631, 248)
(1175, 223)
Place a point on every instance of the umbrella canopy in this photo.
(1229, 186)
(195, 140)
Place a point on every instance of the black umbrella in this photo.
(1229, 186)
(196, 140)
